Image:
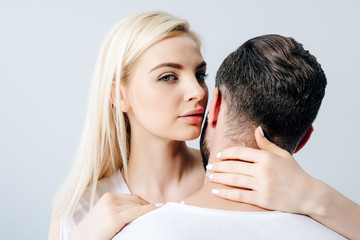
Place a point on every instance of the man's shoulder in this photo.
(191, 222)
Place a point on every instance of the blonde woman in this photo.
(148, 97)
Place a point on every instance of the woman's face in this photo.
(166, 94)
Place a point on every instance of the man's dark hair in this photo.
(273, 82)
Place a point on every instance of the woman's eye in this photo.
(168, 78)
(201, 76)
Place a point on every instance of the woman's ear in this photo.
(124, 104)
(214, 108)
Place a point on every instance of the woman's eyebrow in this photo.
(173, 65)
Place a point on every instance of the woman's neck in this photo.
(160, 170)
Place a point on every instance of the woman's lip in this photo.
(193, 119)
(197, 111)
(193, 116)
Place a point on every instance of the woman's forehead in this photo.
(181, 50)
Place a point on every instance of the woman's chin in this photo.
(192, 136)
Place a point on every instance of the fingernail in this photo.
(209, 176)
(215, 191)
(261, 131)
(158, 204)
(209, 167)
(218, 155)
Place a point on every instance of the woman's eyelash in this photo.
(168, 78)
(201, 76)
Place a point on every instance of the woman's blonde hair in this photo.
(104, 146)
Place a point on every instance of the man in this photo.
(272, 82)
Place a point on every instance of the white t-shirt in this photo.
(177, 221)
(114, 183)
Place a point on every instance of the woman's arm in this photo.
(334, 210)
(109, 215)
(281, 184)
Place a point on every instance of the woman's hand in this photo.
(109, 215)
(272, 179)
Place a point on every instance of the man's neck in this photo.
(205, 198)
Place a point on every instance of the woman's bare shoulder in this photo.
(54, 229)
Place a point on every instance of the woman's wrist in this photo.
(332, 209)
(322, 201)
(317, 198)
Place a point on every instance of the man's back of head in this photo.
(273, 82)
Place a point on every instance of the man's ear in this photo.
(124, 105)
(214, 108)
(304, 139)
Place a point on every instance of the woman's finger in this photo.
(242, 153)
(131, 214)
(131, 198)
(264, 144)
(125, 207)
(234, 180)
(126, 216)
(239, 167)
(237, 195)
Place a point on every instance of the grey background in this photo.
(47, 55)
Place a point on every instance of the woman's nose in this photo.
(194, 90)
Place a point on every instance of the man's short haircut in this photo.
(274, 82)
